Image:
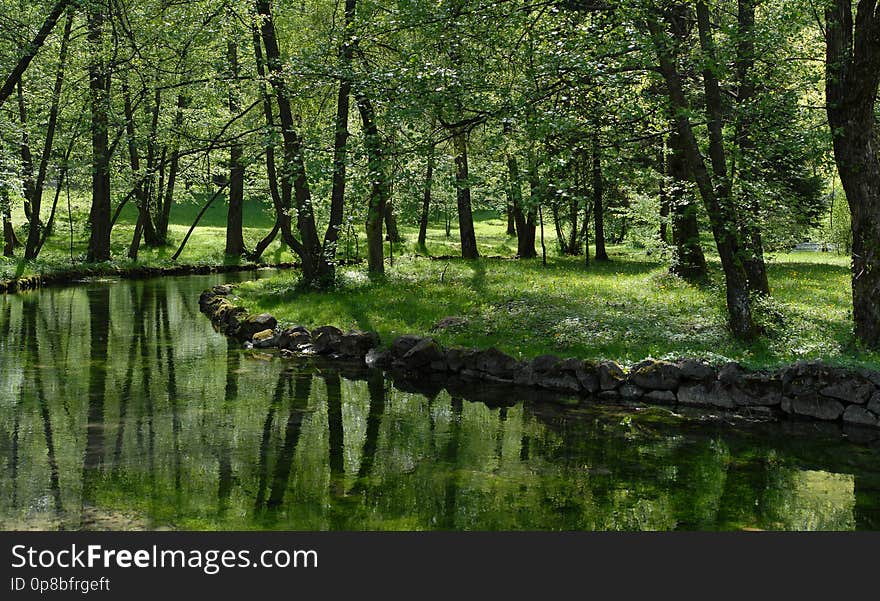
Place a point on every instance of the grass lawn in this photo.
(205, 246)
(627, 309)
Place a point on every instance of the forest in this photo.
(707, 136)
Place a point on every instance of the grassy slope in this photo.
(626, 310)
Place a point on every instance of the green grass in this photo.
(627, 309)
(205, 246)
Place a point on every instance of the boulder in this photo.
(587, 374)
(731, 373)
(757, 389)
(850, 389)
(404, 343)
(358, 343)
(699, 395)
(610, 375)
(256, 323)
(558, 381)
(817, 407)
(495, 363)
(294, 339)
(698, 371)
(874, 403)
(545, 363)
(458, 358)
(551, 373)
(655, 375)
(265, 339)
(856, 414)
(422, 355)
(326, 340)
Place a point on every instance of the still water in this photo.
(121, 408)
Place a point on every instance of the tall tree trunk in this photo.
(145, 209)
(166, 197)
(99, 89)
(235, 208)
(135, 162)
(35, 237)
(340, 140)
(271, 171)
(463, 195)
(598, 201)
(379, 190)
(690, 262)
(317, 268)
(718, 206)
(27, 164)
(426, 199)
(852, 78)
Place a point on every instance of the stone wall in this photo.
(811, 390)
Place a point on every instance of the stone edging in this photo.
(812, 390)
(67, 276)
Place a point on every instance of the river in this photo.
(121, 408)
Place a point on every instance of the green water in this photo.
(120, 408)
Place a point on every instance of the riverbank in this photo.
(59, 277)
(625, 310)
(810, 390)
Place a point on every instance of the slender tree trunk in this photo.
(718, 206)
(317, 269)
(99, 89)
(379, 190)
(426, 199)
(340, 141)
(166, 198)
(598, 201)
(135, 162)
(852, 79)
(31, 202)
(271, 171)
(145, 209)
(235, 208)
(690, 262)
(35, 232)
(463, 194)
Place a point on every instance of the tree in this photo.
(99, 90)
(715, 192)
(852, 77)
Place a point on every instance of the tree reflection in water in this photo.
(122, 409)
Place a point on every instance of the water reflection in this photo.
(120, 408)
